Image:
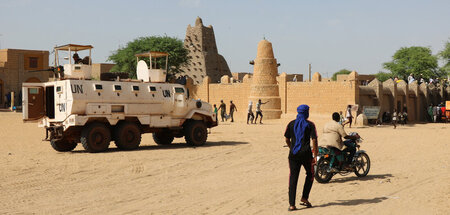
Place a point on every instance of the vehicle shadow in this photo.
(352, 202)
(171, 146)
(366, 178)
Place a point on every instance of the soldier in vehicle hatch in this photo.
(76, 58)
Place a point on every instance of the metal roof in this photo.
(73, 47)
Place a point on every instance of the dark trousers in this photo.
(295, 163)
(231, 115)
(351, 148)
(258, 113)
(222, 115)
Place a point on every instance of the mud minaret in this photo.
(264, 84)
(205, 60)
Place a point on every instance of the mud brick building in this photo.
(204, 57)
(15, 67)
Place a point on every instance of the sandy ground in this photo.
(243, 169)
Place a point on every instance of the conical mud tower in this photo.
(264, 85)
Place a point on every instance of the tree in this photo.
(383, 76)
(342, 71)
(414, 60)
(445, 56)
(126, 61)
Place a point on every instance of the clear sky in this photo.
(330, 34)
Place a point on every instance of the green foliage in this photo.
(383, 76)
(342, 71)
(445, 55)
(125, 59)
(414, 60)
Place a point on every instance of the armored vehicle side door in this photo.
(179, 98)
(33, 103)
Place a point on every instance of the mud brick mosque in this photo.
(204, 58)
(283, 95)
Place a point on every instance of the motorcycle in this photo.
(331, 162)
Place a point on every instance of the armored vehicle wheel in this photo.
(63, 145)
(195, 133)
(127, 136)
(163, 137)
(95, 137)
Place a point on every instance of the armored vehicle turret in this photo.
(76, 109)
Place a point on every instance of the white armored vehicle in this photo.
(74, 108)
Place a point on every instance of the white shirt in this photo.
(410, 79)
(258, 107)
(349, 113)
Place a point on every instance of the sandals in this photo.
(307, 204)
(292, 208)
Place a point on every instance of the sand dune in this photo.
(243, 169)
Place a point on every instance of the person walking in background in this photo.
(8, 99)
(439, 110)
(259, 111)
(297, 136)
(435, 113)
(394, 118)
(410, 78)
(348, 115)
(232, 109)
(430, 112)
(341, 118)
(443, 113)
(405, 116)
(223, 109)
(250, 115)
(401, 118)
(215, 111)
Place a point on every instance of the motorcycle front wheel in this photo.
(362, 164)
(323, 174)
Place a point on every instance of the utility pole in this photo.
(309, 69)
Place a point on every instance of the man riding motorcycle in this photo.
(333, 132)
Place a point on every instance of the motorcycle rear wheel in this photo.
(322, 174)
(362, 164)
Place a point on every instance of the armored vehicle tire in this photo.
(127, 136)
(95, 137)
(195, 133)
(63, 145)
(163, 137)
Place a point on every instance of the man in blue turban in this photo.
(298, 134)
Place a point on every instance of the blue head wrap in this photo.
(300, 126)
